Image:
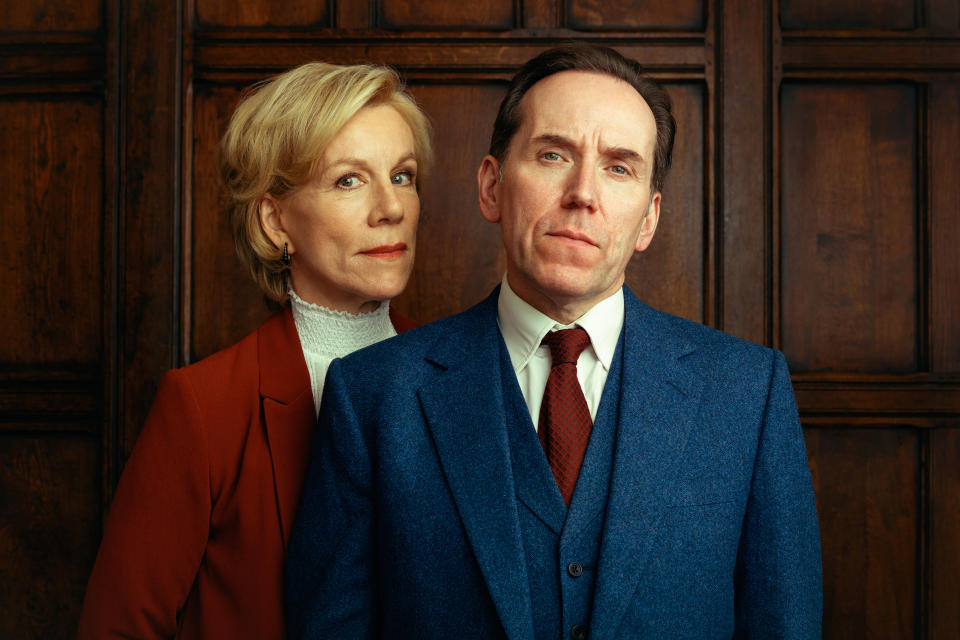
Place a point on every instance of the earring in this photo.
(286, 255)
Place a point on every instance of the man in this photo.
(561, 460)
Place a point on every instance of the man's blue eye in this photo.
(550, 155)
(619, 170)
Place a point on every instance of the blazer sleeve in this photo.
(778, 572)
(157, 527)
(330, 563)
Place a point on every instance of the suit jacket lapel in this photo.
(658, 402)
(288, 411)
(465, 412)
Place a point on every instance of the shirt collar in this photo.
(524, 327)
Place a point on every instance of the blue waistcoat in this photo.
(561, 545)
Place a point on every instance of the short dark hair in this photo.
(585, 57)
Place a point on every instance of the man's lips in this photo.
(573, 235)
(386, 250)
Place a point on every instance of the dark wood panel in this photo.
(441, 14)
(217, 320)
(443, 58)
(742, 192)
(867, 487)
(49, 532)
(922, 398)
(51, 157)
(848, 227)
(262, 13)
(353, 15)
(944, 145)
(944, 620)
(62, 402)
(51, 67)
(943, 14)
(590, 15)
(847, 14)
(670, 274)
(876, 54)
(51, 15)
(460, 256)
(149, 200)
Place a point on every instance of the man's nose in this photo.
(581, 190)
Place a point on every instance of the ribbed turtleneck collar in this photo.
(333, 333)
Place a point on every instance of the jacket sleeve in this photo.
(157, 527)
(330, 559)
(778, 572)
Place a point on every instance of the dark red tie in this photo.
(565, 423)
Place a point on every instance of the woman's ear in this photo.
(271, 222)
(488, 186)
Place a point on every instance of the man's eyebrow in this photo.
(553, 138)
(624, 153)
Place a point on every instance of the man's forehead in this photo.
(575, 104)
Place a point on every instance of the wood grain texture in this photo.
(743, 210)
(225, 303)
(44, 16)
(847, 14)
(669, 275)
(944, 621)
(849, 227)
(596, 15)
(944, 143)
(49, 523)
(441, 14)
(51, 159)
(262, 13)
(459, 255)
(866, 482)
(149, 216)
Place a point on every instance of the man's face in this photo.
(575, 198)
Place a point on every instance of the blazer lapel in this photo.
(658, 402)
(465, 412)
(288, 412)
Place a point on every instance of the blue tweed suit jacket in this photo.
(408, 524)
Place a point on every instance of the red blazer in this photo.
(194, 543)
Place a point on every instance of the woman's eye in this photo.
(402, 178)
(349, 182)
(551, 156)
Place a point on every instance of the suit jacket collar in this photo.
(288, 411)
(465, 412)
(658, 403)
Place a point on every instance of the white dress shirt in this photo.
(523, 329)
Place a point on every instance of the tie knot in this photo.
(566, 345)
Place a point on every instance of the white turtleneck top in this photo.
(326, 334)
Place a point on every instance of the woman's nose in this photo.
(388, 207)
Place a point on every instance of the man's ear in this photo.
(649, 224)
(488, 186)
(271, 221)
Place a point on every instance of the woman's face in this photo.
(351, 230)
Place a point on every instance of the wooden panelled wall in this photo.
(814, 206)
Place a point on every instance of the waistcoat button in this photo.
(578, 632)
(575, 569)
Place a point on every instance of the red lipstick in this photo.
(386, 251)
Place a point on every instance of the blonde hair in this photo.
(277, 135)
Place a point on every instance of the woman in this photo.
(322, 164)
